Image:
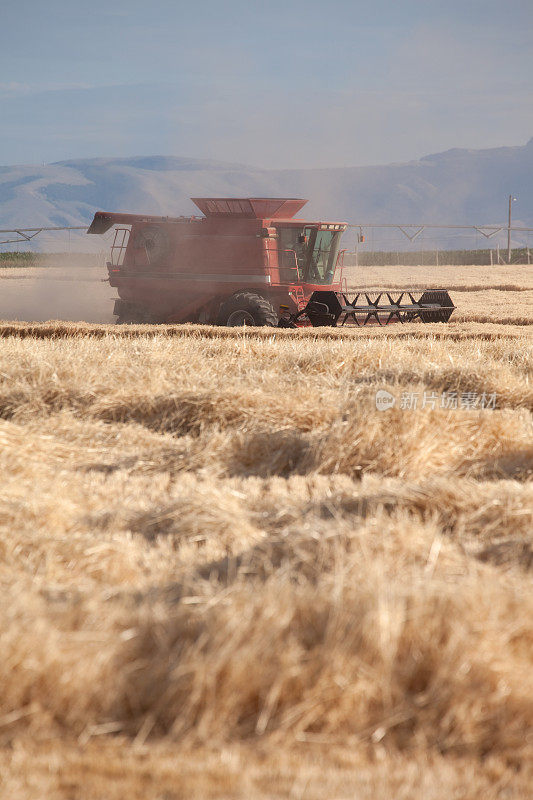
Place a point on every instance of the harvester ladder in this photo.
(299, 297)
(343, 283)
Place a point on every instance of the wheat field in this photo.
(226, 574)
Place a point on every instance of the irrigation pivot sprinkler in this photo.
(511, 200)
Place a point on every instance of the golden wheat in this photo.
(226, 574)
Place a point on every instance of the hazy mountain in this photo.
(457, 186)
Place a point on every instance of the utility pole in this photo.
(511, 198)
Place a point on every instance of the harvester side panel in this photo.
(174, 270)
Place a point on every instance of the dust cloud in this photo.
(72, 288)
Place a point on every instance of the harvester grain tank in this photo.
(246, 261)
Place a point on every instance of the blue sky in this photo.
(287, 84)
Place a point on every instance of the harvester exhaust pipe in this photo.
(326, 308)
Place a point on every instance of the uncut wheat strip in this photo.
(483, 327)
(130, 357)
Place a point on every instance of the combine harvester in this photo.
(246, 262)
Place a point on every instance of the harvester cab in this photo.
(246, 261)
(309, 253)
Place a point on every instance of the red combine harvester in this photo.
(245, 262)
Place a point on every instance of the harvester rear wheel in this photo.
(247, 308)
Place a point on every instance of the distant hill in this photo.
(457, 186)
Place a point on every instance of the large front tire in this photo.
(247, 308)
